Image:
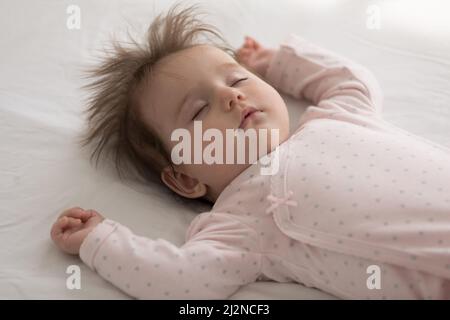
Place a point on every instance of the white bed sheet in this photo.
(43, 172)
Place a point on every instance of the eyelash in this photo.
(200, 110)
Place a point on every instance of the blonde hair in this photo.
(113, 124)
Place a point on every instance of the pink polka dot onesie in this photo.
(358, 207)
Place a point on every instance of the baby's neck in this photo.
(215, 191)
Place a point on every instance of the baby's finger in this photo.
(256, 45)
(65, 223)
(251, 43)
(58, 227)
(249, 39)
(77, 213)
(70, 211)
(248, 43)
(72, 223)
(244, 53)
(62, 222)
(92, 214)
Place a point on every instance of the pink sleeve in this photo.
(307, 71)
(213, 264)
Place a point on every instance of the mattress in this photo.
(406, 44)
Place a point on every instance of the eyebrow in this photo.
(219, 68)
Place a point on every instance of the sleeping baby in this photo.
(356, 207)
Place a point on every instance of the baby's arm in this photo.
(211, 265)
(305, 70)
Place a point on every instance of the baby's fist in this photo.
(72, 227)
(254, 56)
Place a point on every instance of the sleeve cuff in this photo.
(276, 67)
(94, 240)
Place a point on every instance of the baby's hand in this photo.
(255, 57)
(72, 227)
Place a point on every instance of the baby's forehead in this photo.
(185, 69)
(200, 56)
(207, 50)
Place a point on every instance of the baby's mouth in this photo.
(246, 115)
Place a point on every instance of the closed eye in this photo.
(236, 82)
(206, 105)
(198, 112)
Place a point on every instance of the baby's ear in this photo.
(182, 184)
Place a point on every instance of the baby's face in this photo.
(205, 84)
